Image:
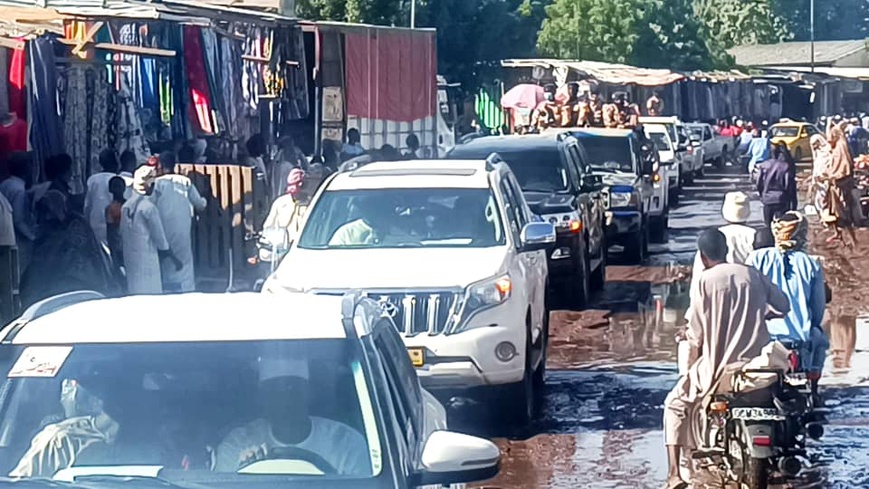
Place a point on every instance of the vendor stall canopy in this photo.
(22, 18)
(619, 74)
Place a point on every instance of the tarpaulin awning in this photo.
(390, 75)
(616, 74)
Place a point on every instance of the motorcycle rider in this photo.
(726, 327)
(801, 278)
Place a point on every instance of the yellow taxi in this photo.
(795, 135)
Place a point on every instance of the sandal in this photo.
(677, 485)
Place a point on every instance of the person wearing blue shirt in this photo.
(758, 150)
(801, 278)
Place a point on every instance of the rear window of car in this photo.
(536, 169)
(784, 131)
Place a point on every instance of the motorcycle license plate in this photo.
(755, 414)
(417, 356)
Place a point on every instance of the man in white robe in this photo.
(143, 237)
(177, 199)
(98, 196)
(727, 326)
(740, 238)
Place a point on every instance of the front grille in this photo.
(418, 312)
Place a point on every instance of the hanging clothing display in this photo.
(74, 100)
(4, 86)
(200, 109)
(46, 134)
(129, 132)
(230, 54)
(251, 77)
(213, 74)
(17, 91)
(174, 92)
(84, 93)
(13, 132)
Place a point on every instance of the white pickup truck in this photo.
(716, 148)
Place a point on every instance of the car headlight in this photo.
(481, 296)
(623, 199)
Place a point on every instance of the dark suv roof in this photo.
(512, 143)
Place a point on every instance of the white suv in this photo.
(452, 253)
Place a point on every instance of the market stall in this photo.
(83, 77)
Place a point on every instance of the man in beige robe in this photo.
(727, 326)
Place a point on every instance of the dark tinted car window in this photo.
(541, 169)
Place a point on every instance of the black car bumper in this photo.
(622, 222)
(563, 255)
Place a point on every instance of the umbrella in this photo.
(525, 96)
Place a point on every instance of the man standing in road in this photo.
(177, 199)
(727, 326)
(801, 278)
(776, 185)
(143, 237)
(758, 150)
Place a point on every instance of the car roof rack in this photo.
(492, 160)
(349, 301)
(48, 306)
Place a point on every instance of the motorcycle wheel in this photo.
(751, 473)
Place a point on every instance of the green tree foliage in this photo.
(652, 33)
(834, 20)
(733, 22)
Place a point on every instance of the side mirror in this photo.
(592, 182)
(536, 236)
(454, 458)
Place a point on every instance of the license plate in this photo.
(755, 414)
(417, 356)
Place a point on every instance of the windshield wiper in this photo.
(133, 480)
(541, 190)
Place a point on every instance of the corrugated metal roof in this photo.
(719, 76)
(173, 10)
(855, 73)
(616, 74)
(795, 53)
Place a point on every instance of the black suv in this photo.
(557, 183)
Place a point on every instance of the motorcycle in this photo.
(272, 244)
(755, 434)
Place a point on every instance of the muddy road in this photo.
(611, 366)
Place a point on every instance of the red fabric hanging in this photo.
(17, 102)
(14, 136)
(197, 79)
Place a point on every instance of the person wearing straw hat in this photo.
(736, 210)
(143, 237)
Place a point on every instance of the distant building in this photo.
(836, 54)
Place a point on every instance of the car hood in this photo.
(542, 203)
(619, 178)
(401, 268)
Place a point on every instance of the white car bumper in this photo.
(468, 359)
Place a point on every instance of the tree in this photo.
(834, 21)
(651, 33)
(734, 22)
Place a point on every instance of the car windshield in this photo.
(784, 132)
(404, 218)
(194, 409)
(662, 142)
(541, 170)
(696, 131)
(609, 153)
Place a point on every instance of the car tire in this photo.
(659, 226)
(598, 277)
(539, 378)
(521, 403)
(636, 247)
(576, 289)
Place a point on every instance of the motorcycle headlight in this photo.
(481, 296)
(623, 199)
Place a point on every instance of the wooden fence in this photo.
(237, 206)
